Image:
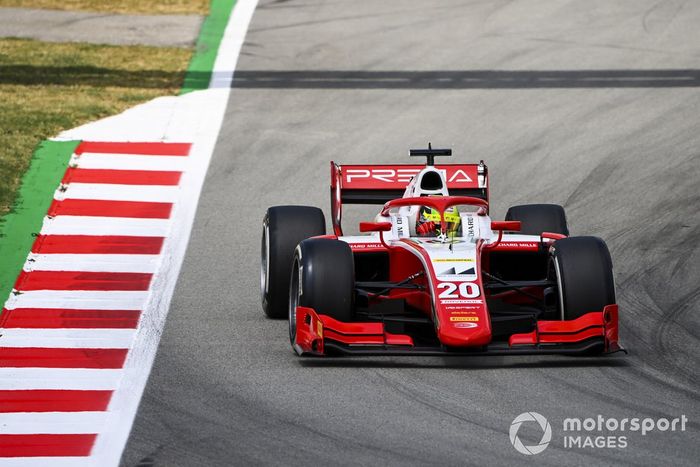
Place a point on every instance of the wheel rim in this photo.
(293, 301)
(557, 272)
(264, 263)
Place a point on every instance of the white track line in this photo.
(113, 192)
(209, 107)
(47, 461)
(130, 162)
(30, 423)
(68, 338)
(92, 263)
(89, 225)
(82, 379)
(197, 118)
(79, 300)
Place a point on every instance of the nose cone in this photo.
(465, 331)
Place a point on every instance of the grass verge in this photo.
(46, 88)
(117, 6)
(210, 35)
(34, 198)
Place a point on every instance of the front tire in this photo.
(283, 228)
(322, 278)
(583, 270)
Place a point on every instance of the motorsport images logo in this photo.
(597, 432)
(546, 433)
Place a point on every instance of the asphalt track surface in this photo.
(590, 104)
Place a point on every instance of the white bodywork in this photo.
(453, 257)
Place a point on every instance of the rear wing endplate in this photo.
(378, 184)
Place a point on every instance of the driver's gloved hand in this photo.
(426, 228)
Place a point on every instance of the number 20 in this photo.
(465, 289)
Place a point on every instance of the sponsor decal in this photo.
(519, 245)
(319, 328)
(453, 308)
(458, 176)
(451, 290)
(470, 227)
(365, 246)
(456, 278)
(453, 272)
(450, 260)
(400, 227)
(460, 301)
(465, 325)
(381, 175)
(401, 175)
(464, 318)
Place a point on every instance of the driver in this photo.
(428, 222)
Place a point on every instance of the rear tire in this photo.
(538, 218)
(582, 268)
(283, 228)
(322, 278)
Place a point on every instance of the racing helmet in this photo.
(429, 223)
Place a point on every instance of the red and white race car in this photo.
(434, 275)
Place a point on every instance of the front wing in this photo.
(595, 332)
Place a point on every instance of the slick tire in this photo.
(582, 268)
(283, 228)
(538, 218)
(322, 278)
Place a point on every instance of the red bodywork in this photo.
(314, 330)
(599, 328)
(461, 326)
(377, 184)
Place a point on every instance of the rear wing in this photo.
(377, 184)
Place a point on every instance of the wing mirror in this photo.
(551, 236)
(500, 226)
(513, 226)
(375, 226)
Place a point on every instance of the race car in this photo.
(433, 274)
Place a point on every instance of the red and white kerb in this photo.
(69, 325)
